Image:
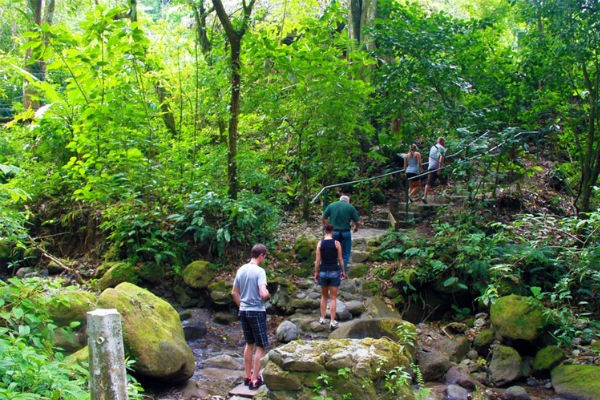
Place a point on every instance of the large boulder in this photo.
(580, 382)
(153, 334)
(376, 328)
(518, 317)
(198, 274)
(335, 368)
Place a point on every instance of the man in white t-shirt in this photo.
(249, 292)
(437, 155)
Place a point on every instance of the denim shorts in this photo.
(254, 326)
(330, 278)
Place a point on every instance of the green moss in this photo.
(72, 306)
(371, 287)
(305, 247)
(119, 272)
(358, 270)
(577, 381)
(484, 339)
(518, 317)
(548, 358)
(197, 274)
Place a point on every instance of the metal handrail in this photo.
(390, 173)
(462, 148)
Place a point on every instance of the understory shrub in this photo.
(554, 259)
(30, 368)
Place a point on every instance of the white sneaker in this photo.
(322, 321)
(333, 325)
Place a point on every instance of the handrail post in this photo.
(406, 197)
(108, 380)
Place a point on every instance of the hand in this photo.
(343, 275)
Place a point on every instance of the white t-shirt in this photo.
(434, 156)
(248, 278)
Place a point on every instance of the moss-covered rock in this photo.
(577, 381)
(483, 340)
(305, 247)
(118, 272)
(518, 317)
(71, 306)
(220, 292)
(548, 358)
(357, 270)
(337, 367)
(198, 274)
(153, 334)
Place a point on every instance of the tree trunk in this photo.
(234, 37)
(40, 13)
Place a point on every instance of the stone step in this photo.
(242, 391)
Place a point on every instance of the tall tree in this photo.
(561, 54)
(41, 12)
(234, 38)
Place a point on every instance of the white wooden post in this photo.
(108, 380)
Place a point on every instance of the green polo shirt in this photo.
(339, 214)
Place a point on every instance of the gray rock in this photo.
(433, 364)
(515, 393)
(286, 332)
(455, 392)
(223, 361)
(505, 366)
(458, 376)
(355, 307)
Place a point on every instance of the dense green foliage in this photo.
(30, 368)
(136, 115)
(555, 260)
(130, 156)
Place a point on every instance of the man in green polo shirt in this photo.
(345, 220)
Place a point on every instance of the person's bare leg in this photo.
(333, 300)
(258, 355)
(248, 351)
(324, 295)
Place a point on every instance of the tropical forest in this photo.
(147, 145)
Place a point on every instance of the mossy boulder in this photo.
(394, 328)
(305, 247)
(198, 274)
(548, 358)
(71, 306)
(220, 292)
(483, 340)
(577, 381)
(117, 272)
(518, 317)
(153, 334)
(295, 369)
(357, 270)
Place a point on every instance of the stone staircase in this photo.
(398, 214)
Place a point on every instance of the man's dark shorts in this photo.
(330, 278)
(254, 326)
(432, 177)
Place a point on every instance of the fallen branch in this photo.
(62, 265)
